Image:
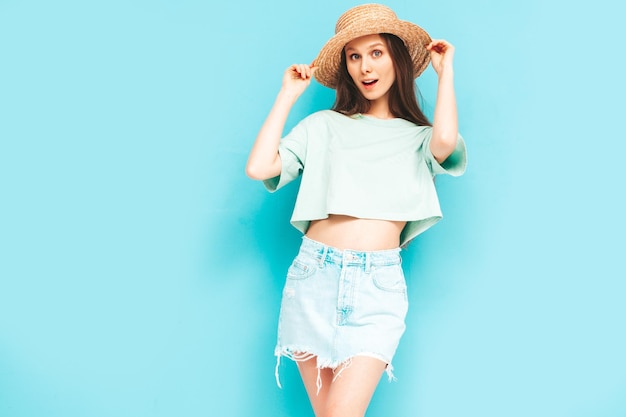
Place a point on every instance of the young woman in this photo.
(367, 188)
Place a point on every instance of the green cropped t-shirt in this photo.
(364, 167)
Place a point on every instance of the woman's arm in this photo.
(264, 160)
(445, 124)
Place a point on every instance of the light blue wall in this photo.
(140, 270)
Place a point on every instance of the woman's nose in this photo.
(365, 66)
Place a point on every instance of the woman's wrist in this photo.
(446, 72)
(288, 96)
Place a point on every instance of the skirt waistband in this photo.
(329, 254)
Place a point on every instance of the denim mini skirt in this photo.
(337, 304)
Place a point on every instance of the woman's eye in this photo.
(354, 57)
(377, 53)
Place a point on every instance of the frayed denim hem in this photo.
(303, 355)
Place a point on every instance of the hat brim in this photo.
(414, 37)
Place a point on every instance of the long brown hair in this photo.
(402, 94)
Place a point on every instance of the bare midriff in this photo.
(345, 232)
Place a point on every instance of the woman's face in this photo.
(370, 66)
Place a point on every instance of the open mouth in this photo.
(369, 83)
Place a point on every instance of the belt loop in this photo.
(368, 262)
(323, 256)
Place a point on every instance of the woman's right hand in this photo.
(297, 78)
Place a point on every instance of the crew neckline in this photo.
(396, 121)
(367, 116)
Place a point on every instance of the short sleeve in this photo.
(454, 164)
(292, 151)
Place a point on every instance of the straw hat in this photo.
(368, 19)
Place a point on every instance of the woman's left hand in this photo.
(441, 54)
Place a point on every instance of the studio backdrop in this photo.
(141, 270)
